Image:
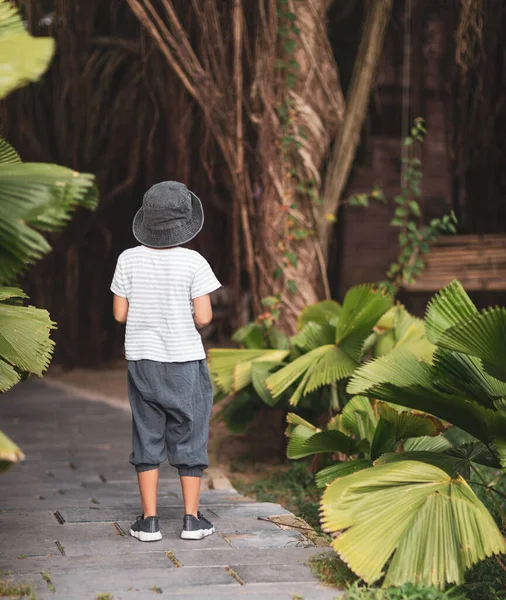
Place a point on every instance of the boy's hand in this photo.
(120, 308)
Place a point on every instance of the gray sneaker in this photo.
(196, 528)
(146, 529)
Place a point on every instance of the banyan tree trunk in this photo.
(265, 80)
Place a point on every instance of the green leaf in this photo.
(10, 454)
(383, 440)
(321, 313)
(25, 341)
(449, 307)
(313, 335)
(432, 527)
(319, 367)
(410, 424)
(7, 152)
(396, 222)
(363, 306)
(482, 336)
(415, 208)
(292, 286)
(292, 258)
(303, 442)
(251, 336)
(23, 58)
(36, 196)
(341, 469)
(259, 373)
(239, 412)
(230, 367)
(278, 340)
(278, 271)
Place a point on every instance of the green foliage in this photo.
(332, 570)
(294, 488)
(414, 238)
(408, 591)
(34, 198)
(272, 369)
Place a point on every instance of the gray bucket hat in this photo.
(170, 215)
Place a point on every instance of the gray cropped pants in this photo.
(171, 405)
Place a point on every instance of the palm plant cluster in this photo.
(418, 412)
(34, 198)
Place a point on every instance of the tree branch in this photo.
(364, 72)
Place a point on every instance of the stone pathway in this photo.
(66, 512)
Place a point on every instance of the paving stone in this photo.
(277, 538)
(121, 580)
(273, 573)
(55, 429)
(245, 556)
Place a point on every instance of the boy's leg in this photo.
(148, 431)
(148, 487)
(191, 494)
(188, 426)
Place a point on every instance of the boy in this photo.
(161, 291)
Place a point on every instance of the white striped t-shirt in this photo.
(160, 286)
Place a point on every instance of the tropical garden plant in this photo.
(425, 417)
(34, 198)
(302, 371)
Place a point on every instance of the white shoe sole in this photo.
(143, 536)
(198, 534)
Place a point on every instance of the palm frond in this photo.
(25, 342)
(23, 58)
(251, 336)
(464, 375)
(259, 373)
(362, 307)
(431, 525)
(447, 308)
(294, 419)
(482, 336)
(7, 153)
(36, 197)
(223, 363)
(313, 335)
(427, 443)
(304, 442)
(329, 474)
(410, 424)
(10, 454)
(320, 313)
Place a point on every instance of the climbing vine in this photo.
(414, 237)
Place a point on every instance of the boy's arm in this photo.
(203, 311)
(120, 308)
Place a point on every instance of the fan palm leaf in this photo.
(430, 525)
(36, 197)
(305, 442)
(447, 308)
(404, 380)
(23, 58)
(362, 307)
(10, 454)
(25, 343)
(341, 469)
(231, 367)
(321, 313)
(482, 336)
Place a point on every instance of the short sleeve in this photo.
(204, 280)
(118, 285)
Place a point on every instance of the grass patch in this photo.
(104, 596)
(409, 591)
(293, 488)
(332, 570)
(47, 578)
(12, 589)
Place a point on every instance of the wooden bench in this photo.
(477, 261)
